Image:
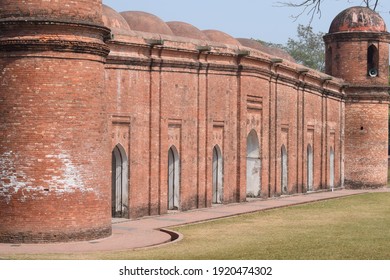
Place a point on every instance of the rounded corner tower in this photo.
(53, 122)
(357, 50)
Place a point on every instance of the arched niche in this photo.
(217, 175)
(120, 183)
(253, 165)
(173, 179)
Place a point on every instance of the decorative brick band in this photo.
(55, 45)
(59, 36)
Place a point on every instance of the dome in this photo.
(220, 37)
(113, 20)
(253, 44)
(145, 22)
(187, 30)
(82, 11)
(272, 51)
(358, 19)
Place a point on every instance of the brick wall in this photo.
(366, 126)
(196, 102)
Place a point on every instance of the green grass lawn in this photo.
(355, 227)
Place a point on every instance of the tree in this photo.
(308, 49)
(313, 7)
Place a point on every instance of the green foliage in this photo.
(308, 49)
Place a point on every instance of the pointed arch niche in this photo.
(120, 181)
(284, 170)
(253, 165)
(173, 179)
(331, 168)
(373, 61)
(310, 168)
(217, 176)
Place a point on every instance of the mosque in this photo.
(106, 114)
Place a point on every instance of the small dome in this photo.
(272, 51)
(113, 20)
(220, 37)
(253, 44)
(187, 30)
(358, 19)
(145, 22)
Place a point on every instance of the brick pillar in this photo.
(54, 148)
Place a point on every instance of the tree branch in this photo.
(313, 7)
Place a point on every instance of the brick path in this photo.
(146, 232)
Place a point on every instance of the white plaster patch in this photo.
(14, 180)
(70, 179)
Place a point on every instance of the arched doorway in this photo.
(217, 176)
(253, 165)
(310, 170)
(284, 171)
(331, 168)
(173, 179)
(120, 179)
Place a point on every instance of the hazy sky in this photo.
(258, 19)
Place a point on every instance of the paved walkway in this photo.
(146, 232)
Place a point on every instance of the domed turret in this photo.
(357, 50)
(358, 19)
(356, 47)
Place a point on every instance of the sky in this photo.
(258, 19)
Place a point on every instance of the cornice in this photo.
(357, 36)
(28, 21)
(38, 35)
(54, 45)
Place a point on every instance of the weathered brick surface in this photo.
(53, 135)
(366, 145)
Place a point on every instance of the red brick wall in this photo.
(346, 52)
(195, 107)
(366, 134)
